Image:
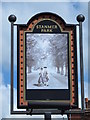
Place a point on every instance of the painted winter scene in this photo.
(46, 61)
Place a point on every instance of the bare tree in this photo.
(59, 51)
(31, 58)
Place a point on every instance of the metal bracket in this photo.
(47, 116)
(80, 19)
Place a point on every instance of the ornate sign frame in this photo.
(71, 94)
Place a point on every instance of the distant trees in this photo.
(54, 49)
(59, 52)
(29, 52)
(35, 51)
(32, 52)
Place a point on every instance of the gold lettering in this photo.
(55, 26)
(42, 30)
(37, 26)
(50, 30)
(49, 26)
(46, 28)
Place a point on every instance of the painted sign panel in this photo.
(47, 61)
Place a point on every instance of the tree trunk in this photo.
(29, 69)
(66, 70)
(58, 70)
(62, 70)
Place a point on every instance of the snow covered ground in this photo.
(56, 81)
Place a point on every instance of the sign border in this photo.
(18, 38)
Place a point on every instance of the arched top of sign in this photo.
(46, 15)
(46, 23)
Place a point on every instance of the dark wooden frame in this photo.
(21, 29)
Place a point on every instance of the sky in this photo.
(24, 11)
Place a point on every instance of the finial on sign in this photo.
(12, 18)
(80, 18)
